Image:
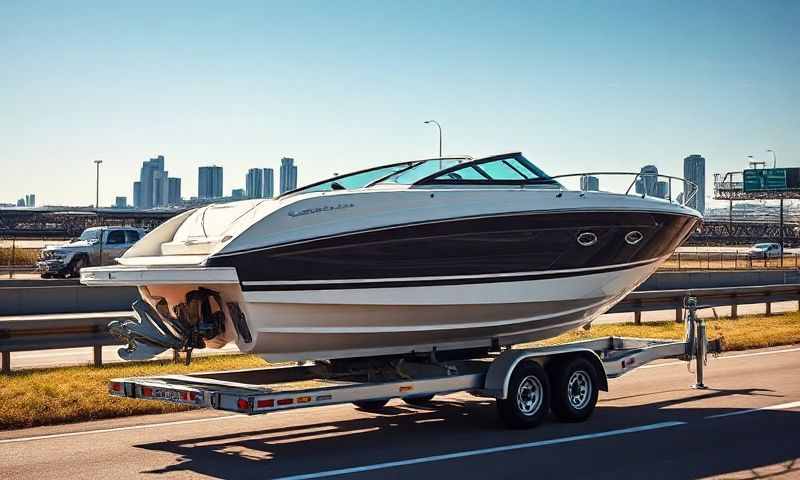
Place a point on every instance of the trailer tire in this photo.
(419, 400)
(575, 389)
(528, 399)
(373, 406)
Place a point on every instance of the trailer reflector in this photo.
(115, 387)
(285, 401)
(265, 403)
(303, 399)
(406, 388)
(147, 392)
(323, 398)
(243, 404)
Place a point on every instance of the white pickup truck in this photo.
(95, 247)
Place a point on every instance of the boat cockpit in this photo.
(510, 169)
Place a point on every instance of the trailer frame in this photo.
(371, 382)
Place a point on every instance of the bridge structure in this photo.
(68, 222)
(756, 184)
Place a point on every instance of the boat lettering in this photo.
(326, 208)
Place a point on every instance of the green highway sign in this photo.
(765, 179)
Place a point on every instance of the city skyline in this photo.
(574, 87)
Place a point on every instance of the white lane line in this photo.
(482, 451)
(120, 429)
(782, 406)
(727, 357)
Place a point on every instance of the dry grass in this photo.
(74, 394)
(741, 334)
(22, 256)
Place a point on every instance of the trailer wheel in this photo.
(373, 406)
(419, 400)
(575, 389)
(528, 399)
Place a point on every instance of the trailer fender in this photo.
(499, 373)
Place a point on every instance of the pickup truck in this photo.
(96, 246)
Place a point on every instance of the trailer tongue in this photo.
(527, 383)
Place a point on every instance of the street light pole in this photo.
(774, 157)
(97, 185)
(440, 134)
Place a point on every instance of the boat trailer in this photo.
(526, 382)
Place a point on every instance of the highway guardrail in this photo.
(43, 332)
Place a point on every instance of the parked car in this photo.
(95, 247)
(765, 250)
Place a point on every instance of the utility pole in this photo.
(97, 185)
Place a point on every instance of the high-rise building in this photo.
(21, 202)
(648, 178)
(237, 193)
(121, 202)
(590, 183)
(30, 200)
(209, 183)
(662, 189)
(269, 183)
(146, 182)
(288, 174)
(254, 183)
(160, 188)
(694, 170)
(174, 191)
(137, 194)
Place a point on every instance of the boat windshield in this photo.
(508, 169)
(353, 180)
(421, 170)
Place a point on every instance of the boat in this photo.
(427, 256)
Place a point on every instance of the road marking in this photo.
(482, 451)
(782, 406)
(727, 357)
(120, 429)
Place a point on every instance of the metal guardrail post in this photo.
(734, 310)
(769, 308)
(6, 362)
(679, 315)
(98, 355)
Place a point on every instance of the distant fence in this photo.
(739, 260)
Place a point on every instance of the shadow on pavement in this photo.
(753, 445)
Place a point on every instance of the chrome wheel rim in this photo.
(579, 389)
(529, 395)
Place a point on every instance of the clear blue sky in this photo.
(344, 85)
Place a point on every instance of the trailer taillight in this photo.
(243, 404)
(147, 392)
(285, 401)
(265, 403)
(115, 387)
(188, 396)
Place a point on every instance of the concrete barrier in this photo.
(37, 297)
(718, 279)
(39, 300)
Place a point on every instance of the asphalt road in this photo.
(650, 425)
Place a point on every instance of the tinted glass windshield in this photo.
(421, 170)
(507, 169)
(353, 180)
